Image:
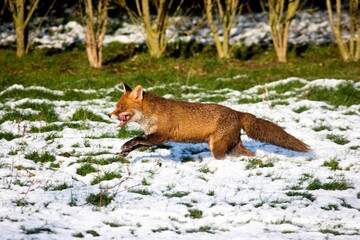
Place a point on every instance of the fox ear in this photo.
(137, 93)
(126, 88)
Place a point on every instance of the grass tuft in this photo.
(301, 109)
(179, 194)
(84, 115)
(341, 140)
(194, 213)
(124, 132)
(306, 195)
(101, 199)
(86, 169)
(8, 136)
(141, 191)
(345, 94)
(333, 164)
(340, 184)
(40, 158)
(254, 163)
(106, 177)
(37, 230)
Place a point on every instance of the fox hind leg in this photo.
(218, 149)
(240, 150)
(220, 145)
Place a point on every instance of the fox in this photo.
(178, 121)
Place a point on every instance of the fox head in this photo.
(129, 107)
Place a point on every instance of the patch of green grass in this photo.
(106, 177)
(358, 195)
(100, 161)
(113, 224)
(70, 70)
(93, 154)
(101, 199)
(286, 87)
(125, 132)
(93, 232)
(37, 230)
(22, 202)
(249, 100)
(178, 194)
(57, 127)
(211, 193)
(279, 102)
(340, 184)
(28, 93)
(254, 163)
(85, 169)
(350, 113)
(40, 158)
(281, 221)
(142, 191)
(345, 94)
(194, 213)
(331, 207)
(301, 109)
(78, 235)
(321, 128)
(84, 115)
(206, 228)
(330, 231)
(8, 136)
(45, 113)
(354, 147)
(185, 159)
(333, 164)
(341, 140)
(213, 99)
(52, 136)
(58, 187)
(306, 195)
(205, 169)
(160, 229)
(47, 128)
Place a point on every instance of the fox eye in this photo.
(122, 107)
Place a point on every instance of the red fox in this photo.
(169, 120)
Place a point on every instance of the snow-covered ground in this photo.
(178, 191)
(249, 29)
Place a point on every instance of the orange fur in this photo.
(219, 126)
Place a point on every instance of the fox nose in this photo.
(109, 115)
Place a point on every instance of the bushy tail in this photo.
(265, 131)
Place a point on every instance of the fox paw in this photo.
(124, 153)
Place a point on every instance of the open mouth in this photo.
(123, 119)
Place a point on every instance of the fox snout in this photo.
(113, 116)
(123, 117)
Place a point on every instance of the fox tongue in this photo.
(122, 120)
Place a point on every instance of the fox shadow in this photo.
(189, 152)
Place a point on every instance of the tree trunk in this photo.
(95, 31)
(155, 29)
(280, 25)
(349, 51)
(226, 15)
(155, 35)
(21, 16)
(21, 41)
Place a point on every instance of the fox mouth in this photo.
(124, 118)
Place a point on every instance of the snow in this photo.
(236, 201)
(248, 29)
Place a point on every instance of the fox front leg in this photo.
(139, 142)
